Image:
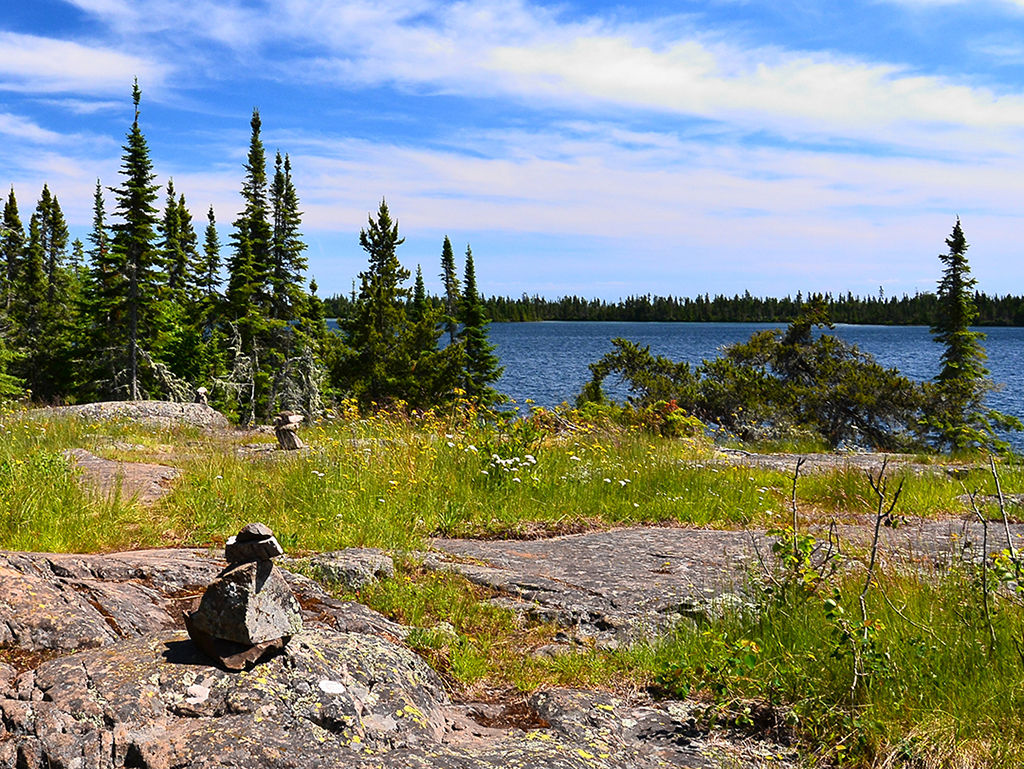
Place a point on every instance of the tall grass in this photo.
(395, 482)
(942, 690)
(42, 505)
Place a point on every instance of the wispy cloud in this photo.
(18, 127)
(33, 64)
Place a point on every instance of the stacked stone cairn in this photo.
(248, 613)
(284, 429)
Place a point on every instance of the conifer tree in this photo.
(377, 323)
(956, 416)
(452, 298)
(481, 364)
(209, 273)
(53, 234)
(419, 297)
(288, 263)
(172, 252)
(30, 313)
(193, 262)
(12, 246)
(249, 266)
(100, 304)
(134, 253)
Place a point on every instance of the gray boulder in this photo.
(249, 603)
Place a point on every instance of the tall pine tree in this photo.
(957, 418)
(452, 298)
(377, 323)
(482, 368)
(12, 247)
(287, 262)
(134, 253)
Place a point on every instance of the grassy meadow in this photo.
(924, 673)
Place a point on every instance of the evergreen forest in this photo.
(154, 305)
(917, 310)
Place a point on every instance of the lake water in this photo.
(547, 362)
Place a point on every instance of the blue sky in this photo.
(592, 148)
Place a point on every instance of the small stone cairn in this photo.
(284, 428)
(248, 612)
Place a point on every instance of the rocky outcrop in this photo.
(161, 414)
(611, 587)
(330, 699)
(344, 692)
(142, 481)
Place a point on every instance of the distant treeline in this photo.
(919, 309)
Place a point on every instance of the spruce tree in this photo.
(452, 298)
(12, 246)
(209, 272)
(481, 364)
(419, 297)
(250, 265)
(134, 253)
(193, 262)
(100, 305)
(31, 316)
(53, 234)
(377, 323)
(957, 418)
(172, 253)
(288, 263)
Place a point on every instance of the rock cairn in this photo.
(248, 612)
(284, 428)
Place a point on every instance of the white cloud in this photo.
(479, 48)
(231, 24)
(15, 126)
(34, 64)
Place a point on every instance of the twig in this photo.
(984, 574)
(757, 551)
(905, 618)
(880, 486)
(1006, 520)
(796, 476)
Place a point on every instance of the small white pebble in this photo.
(332, 687)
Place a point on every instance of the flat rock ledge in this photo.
(609, 587)
(616, 587)
(330, 699)
(96, 673)
(161, 414)
(142, 481)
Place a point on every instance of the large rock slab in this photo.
(613, 586)
(160, 414)
(65, 602)
(330, 699)
(143, 481)
(621, 585)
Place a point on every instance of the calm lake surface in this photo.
(547, 362)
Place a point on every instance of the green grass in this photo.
(937, 696)
(479, 647)
(394, 483)
(940, 692)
